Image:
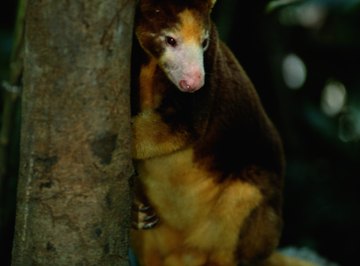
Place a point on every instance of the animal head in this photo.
(176, 34)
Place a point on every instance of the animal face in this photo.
(176, 34)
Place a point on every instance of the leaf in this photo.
(276, 4)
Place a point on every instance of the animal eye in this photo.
(205, 43)
(170, 41)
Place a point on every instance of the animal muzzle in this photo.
(192, 81)
(184, 66)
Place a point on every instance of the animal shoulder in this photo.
(208, 158)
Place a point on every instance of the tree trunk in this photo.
(73, 194)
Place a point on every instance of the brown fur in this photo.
(210, 162)
(191, 29)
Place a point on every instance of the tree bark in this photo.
(73, 193)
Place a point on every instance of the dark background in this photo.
(304, 59)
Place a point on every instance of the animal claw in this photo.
(150, 217)
(140, 207)
(151, 224)
(143, 216)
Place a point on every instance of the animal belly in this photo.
(180, 191)
(200, 219)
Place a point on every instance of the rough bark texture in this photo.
(73, 195)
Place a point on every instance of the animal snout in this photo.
(192, 83)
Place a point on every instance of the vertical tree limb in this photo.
(73, 195)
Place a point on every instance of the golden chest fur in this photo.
(197, 213)
(208, 158)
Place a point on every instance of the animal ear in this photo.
(213, 3)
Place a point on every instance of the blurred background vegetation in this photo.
(304, 59)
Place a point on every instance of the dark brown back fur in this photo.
(228, 127)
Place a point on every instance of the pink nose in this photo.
(191, 84)
(185, 86)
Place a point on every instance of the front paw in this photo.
(143, 216)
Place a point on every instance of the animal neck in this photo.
(147, 85)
